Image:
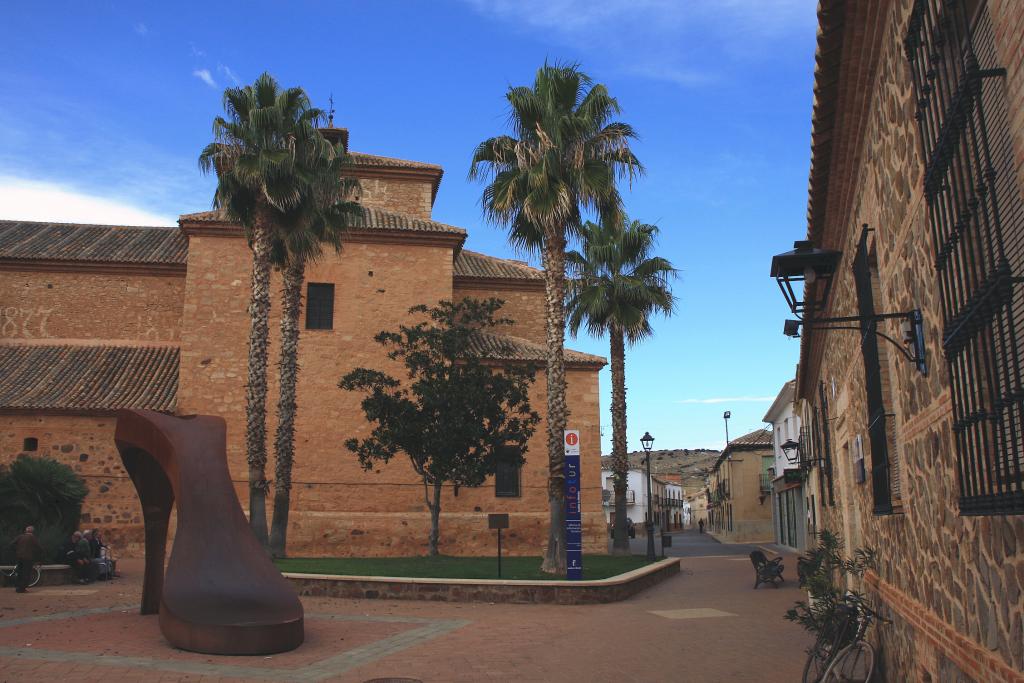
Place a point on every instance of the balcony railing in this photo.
(766, 482)
(609, 497)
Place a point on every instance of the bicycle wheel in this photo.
(817, 664)
(34, 577)
(855, 663)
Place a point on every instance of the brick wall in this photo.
(938, 572)
(82, 305)
(337, 508)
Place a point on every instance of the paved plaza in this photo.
(706, 624)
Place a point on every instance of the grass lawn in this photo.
(444, 567)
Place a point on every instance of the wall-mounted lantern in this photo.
(808, 265)
(816, 268)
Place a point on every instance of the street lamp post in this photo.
(648, 442)
(725, 416)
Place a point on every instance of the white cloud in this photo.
(729, 399)
(140, 28)
(205, 76)
(228, 73)
(33, 200)
(663, 40)
(195, 51)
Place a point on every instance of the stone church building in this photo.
(99, 317)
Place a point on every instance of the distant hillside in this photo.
(692, 463)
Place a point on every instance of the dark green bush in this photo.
(41, 492)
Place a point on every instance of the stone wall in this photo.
(411, 197)
(939, 572)
(524, 306)
(40, 305)
(86, 444)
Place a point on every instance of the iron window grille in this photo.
(977, 221)
(319, 306)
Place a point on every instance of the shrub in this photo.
(823, 571)
(43, 493)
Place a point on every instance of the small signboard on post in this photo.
(573, 517)
(499, 521)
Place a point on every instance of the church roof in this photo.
(361, 159)
(31, 240)
(88, 378)
(471, 264)
(502, 347)
(371, 219)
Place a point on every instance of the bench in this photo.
(765, 570)
(53, 574)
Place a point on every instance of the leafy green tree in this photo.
(265, 153)
(41, 492)
(564, 157)
(457, 416)
(617, 286)
(300, 238)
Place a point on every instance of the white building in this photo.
(789, 498)
(667, 500)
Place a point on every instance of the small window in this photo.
(506, 475)
(31, 444)
(319, 306)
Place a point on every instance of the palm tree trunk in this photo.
(284, 439)
(620, 457)
(557, 410)
(256, 386)
(435, 520)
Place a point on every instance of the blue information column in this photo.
(573, 519)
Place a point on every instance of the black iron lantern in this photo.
(647, 441)
(809, 265)
(791, 449)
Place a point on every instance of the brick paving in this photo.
(707, 624)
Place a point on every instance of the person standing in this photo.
(700, 525)
(26, 551)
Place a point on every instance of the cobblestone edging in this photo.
(611, 589)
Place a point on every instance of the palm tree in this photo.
(616, 287)
(300, 239)
(564, 158)
(261, 153)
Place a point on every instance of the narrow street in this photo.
(706, 624)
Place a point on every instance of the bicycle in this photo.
(841, 654)
(33, 579)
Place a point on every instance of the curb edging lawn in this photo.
(612, 589)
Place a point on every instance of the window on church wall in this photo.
(976, 216)
(507, 475)
(319, 306)
(826, 446)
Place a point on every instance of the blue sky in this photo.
(104, 107)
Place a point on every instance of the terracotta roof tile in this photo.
(372, 219)
(502, 347)
(756, 440)
(361, 159)
(98, 243)
(473, 264)
(88, 378)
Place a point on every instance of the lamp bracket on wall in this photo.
(913, 331)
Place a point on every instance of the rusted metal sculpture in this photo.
(221, 594)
